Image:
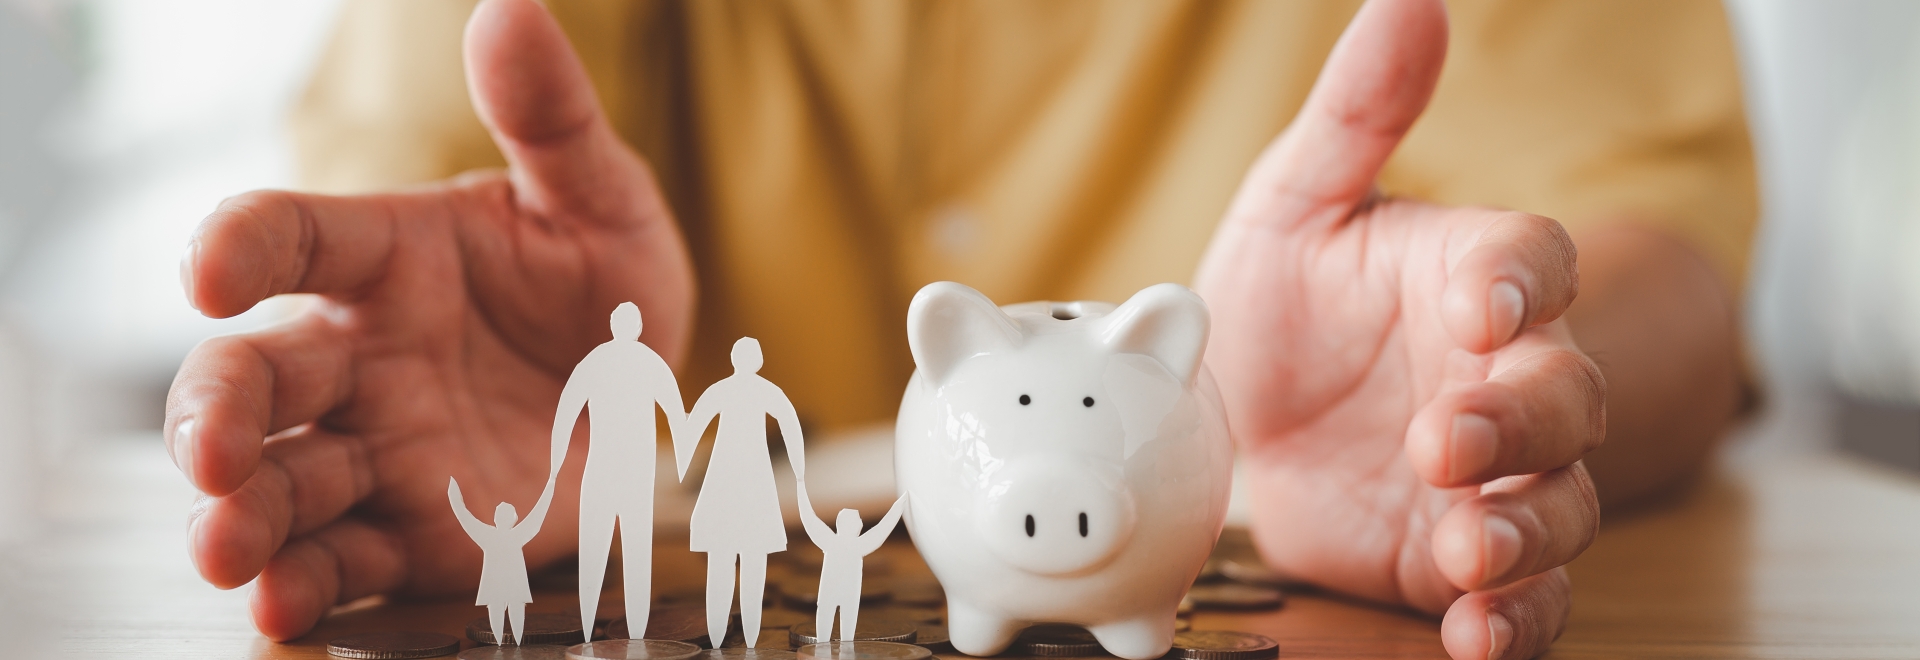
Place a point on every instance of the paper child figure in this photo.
(736, 519)
(845, 550)
(618, 383)
(503, 566)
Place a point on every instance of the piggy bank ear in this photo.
(950, 322)
(1166, 322)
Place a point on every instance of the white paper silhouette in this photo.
(736, 519)
(845, 550)
(503, 565)
(618, 383)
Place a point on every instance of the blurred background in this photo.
(123, 122)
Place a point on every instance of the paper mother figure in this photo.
(503, 566)
(736, 519)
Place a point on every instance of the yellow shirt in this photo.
(827, 158)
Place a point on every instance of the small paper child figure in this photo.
(503, 566)
(845, 551)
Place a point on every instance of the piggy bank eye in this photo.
(1088, 402)
(1024, 399)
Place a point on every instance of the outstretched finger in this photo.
(1545, 410)
(1517, 527)
(341, 562)
(1374, 85)
(534, 96)
(1519, 620)
(306, 480)
(1521, 273)
(234, 391)
(269, 242)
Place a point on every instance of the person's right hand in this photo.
(447, 319)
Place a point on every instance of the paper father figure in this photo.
(618, 383)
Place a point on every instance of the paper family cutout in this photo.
(503, 568)
(619, 383)
(845, 550)
(736, 518)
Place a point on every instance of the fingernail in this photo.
(1473, 444)
(1505, 306)
(195, 544)
(183, 447)
(186, 272)
(1502, 546)
(1499, 635)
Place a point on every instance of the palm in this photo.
(1410, 411)
(447, 321)
(1353, 348)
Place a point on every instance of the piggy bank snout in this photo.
(1055, 517)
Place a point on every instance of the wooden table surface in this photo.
(1811, 557)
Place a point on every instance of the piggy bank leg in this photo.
(1142, 638)
(978, 633)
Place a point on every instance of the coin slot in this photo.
(1083, 524)
(1065, 312)
(1030, 526)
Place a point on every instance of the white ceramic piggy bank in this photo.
(1068, 462)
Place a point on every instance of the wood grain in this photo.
(1814, 557)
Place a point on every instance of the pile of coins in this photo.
(901, 618)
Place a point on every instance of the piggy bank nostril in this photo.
(1031, 521)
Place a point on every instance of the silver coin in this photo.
(746, 654)
(528, 652)
(933, 637)
(1057, 640)
(562, 629)
(1251, 571)
(393, 645)
(858, 650)
(1232, 596)
(632, 649)
(802, 634)
(1223, 645)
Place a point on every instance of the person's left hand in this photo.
(1410, 408)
